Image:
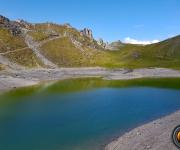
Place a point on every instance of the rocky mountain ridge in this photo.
(16, 27)
(50, 45)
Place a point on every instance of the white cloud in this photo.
(134, 41)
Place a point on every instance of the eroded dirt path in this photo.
(35, 47)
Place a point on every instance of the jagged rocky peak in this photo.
(14, 26)
(10, 25)
(4, 20)
(23, 24)
(87, 32)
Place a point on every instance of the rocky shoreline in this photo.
(155, 135)
(10, 79)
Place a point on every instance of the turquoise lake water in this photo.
(81, 120)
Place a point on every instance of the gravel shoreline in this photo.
(155, 135)
(10, 79)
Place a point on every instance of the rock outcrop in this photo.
(10, 25)
(23, 24)
(14, 26)
(115, 45)
(67, 25)
(4, 20)
(87, 32)
(102, 43)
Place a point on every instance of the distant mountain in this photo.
(162, 54)
(115, 45)
(50, 45)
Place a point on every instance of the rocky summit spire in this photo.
(87, 32)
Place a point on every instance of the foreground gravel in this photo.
(152, 136)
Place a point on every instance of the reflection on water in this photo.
(81, 114)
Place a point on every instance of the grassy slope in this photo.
(64, 31)
(24, 57)
(8, 42)
(163, 54)
(13, 45)
(38, 36)
(63, 53)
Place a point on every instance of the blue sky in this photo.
(110, 19)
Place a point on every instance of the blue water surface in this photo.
(84, 120)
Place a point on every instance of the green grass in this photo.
(164, 54)
(64, 31)
(8, 42)
(62, 51)
(24, 57)
(38, 36)
(2, 67)
(13, 45)
(130, 56)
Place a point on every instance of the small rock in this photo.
(148, 147)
